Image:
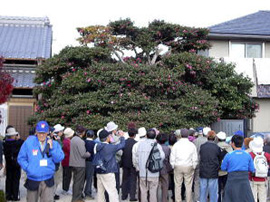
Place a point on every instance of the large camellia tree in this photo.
(163, 83)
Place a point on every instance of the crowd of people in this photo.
(137, 165)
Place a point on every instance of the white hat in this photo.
(68, 132)
(177, 133)
(142, 132)
(206, 130)
(111, 126)
(256, 145)
(58, 128)
(11, 132)
(221, 135)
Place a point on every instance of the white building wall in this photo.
(267, 50)
(4, 119)
(261, 123)
(219, 49)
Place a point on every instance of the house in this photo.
(245, 41)
(24, 43)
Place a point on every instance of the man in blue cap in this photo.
(37, 157)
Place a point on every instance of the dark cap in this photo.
(103, 134)
(184, 132)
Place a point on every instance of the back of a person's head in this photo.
(90, 134)
(211, 135)
(172, 139)
(162, 138)
(151, 134)
(132, 132)
(103, 135)
(238, 140)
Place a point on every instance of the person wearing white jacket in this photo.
(184, 159)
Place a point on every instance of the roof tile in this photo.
(25, 37)
(254, 24)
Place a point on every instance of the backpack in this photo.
(154, 162)
(99, 162)
(261, 165)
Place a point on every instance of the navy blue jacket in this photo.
(126, 159)
(89, 146)
(109, 152)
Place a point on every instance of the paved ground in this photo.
(63, 198)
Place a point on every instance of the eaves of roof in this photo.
(229, 36)
(23, 76)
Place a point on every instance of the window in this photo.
(246, 50)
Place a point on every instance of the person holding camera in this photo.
(106, 180)
(37, 157)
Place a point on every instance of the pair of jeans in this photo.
(67, 174)
(89, 173)
(221, 186)
(208, 186)
(13, 176)
(129, 183)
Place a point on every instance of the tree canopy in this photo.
(96, 82)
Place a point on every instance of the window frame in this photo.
(245, 43)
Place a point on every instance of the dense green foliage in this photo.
(83, 85)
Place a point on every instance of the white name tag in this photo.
(35, 152)
(43, 162)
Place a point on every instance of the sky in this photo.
(66, 15)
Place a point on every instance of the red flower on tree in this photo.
(6, 86)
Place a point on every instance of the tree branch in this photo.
(157, 52)
(118, 56)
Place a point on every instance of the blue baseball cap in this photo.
(199, 130)
(42, 127)
(239, 132)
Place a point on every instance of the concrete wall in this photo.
(261, 123)
(267, 50)
(219, 49)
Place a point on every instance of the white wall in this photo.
(261, 123)
(219, 49)
(267, 50)
(4, 119)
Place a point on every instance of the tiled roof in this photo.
(25, 37)
(23, 76)
(253, 24)
(263, 91)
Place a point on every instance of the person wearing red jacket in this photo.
(258, 184)
(67, 171)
